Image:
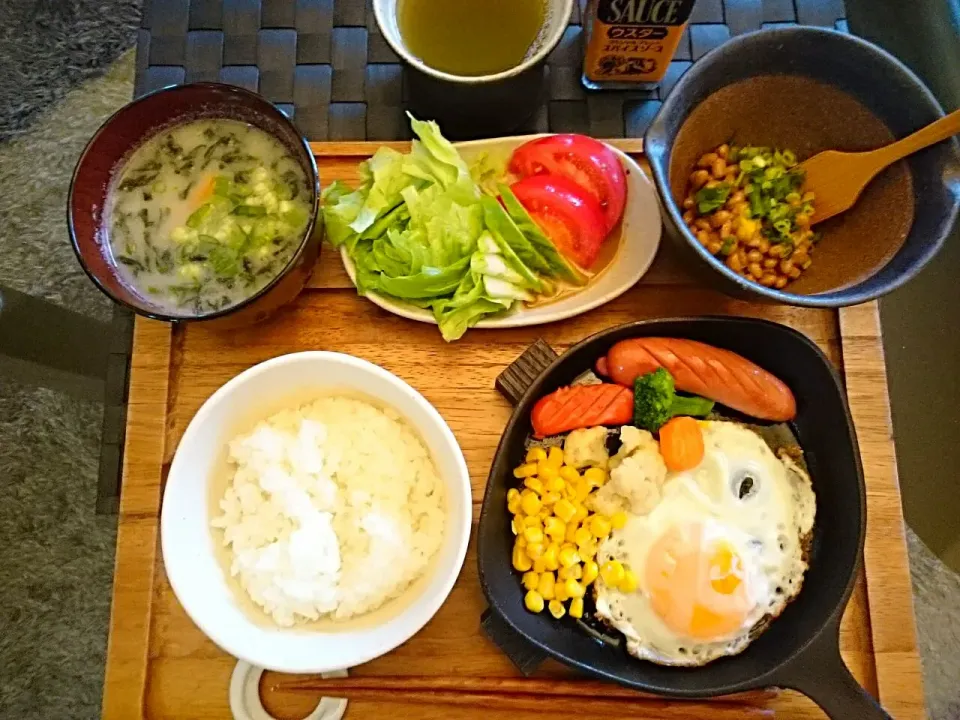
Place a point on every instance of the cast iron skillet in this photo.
(800, 649)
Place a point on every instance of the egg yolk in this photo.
(697, 585)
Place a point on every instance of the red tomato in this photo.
(586, 161)
(568, 214)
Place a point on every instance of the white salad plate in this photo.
(638, 247)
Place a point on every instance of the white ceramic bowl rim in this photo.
(386, 13)
(292, 650)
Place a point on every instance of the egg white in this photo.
(766, 527)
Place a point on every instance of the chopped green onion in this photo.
(783, 226)
(709, 199)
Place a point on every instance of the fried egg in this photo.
(718, 550)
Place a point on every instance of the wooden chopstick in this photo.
(516, 690)
(641, 707)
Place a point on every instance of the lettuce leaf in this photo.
(556, 265)
(419, 229)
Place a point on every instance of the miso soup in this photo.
(205, 214)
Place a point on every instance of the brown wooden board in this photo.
(159, 665)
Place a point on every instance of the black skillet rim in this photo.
(777, 674)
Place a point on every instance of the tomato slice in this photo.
(586, 161)
(567, 214)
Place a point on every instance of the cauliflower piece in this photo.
(586, 447)
(636, 476)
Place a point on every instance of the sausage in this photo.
(581, 406)
(704, 370)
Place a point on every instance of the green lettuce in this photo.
(420, 230)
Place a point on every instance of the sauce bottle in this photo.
(630, 43)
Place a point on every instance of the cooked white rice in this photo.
(334, 508)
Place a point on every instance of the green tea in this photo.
(470, 37)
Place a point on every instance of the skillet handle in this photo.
(820, 673)
(524, 655)
(519, 375)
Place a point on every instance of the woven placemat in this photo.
(325, 63)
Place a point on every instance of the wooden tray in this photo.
(159, 665)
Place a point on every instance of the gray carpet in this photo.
(48, 47)
(56, 555)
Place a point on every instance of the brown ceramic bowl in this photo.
(809, 89)
(126, 130)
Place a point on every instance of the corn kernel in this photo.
(568, 557)
(590, 571)
(539, 566)
(580, 512)
(546, 471)
(574, 588)
(521, 561)
(545, 586)
(564, 510)
(556, 609)
(555, 457)
(551, 557)
(556, 485)
(571, 533)
(532, 521)
(555, 528)
(576, 608)
(512, 494)
(545, 513)
(569, 473)
(560, 591)
(574, 571)
(533, 535)
(534, 483)
(582, 537)
(600, 526)
(629, 582)
(535, 549)
(618, 520)
(570, 492)
(588, 551)
(612, 572)
(516, 525)
(535, 454)
(595, 476)
(551, 498)
(530, 504)
(582, 490)
(513, 506)
(530, 580)
(533, 601)
(525, 470)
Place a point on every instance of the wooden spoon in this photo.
(837, 178)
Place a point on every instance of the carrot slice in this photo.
(681, 444)
(202, 191)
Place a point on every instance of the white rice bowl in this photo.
(361, 468)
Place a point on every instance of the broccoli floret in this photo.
(655, 401)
